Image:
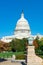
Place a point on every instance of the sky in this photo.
(10, 12)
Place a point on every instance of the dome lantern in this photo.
(22, 15)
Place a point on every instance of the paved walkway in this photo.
(11, 63)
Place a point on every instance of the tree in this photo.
(36, 43)
(18, 44)
(6, 47)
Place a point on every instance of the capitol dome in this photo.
(22, 27)
(22, 23)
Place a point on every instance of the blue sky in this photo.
(10, 11)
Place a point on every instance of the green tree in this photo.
(18, 44)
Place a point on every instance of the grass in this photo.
(9, 54)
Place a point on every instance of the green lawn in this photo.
(9, 54)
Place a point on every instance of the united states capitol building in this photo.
(22, 30)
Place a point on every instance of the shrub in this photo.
(22, 56)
